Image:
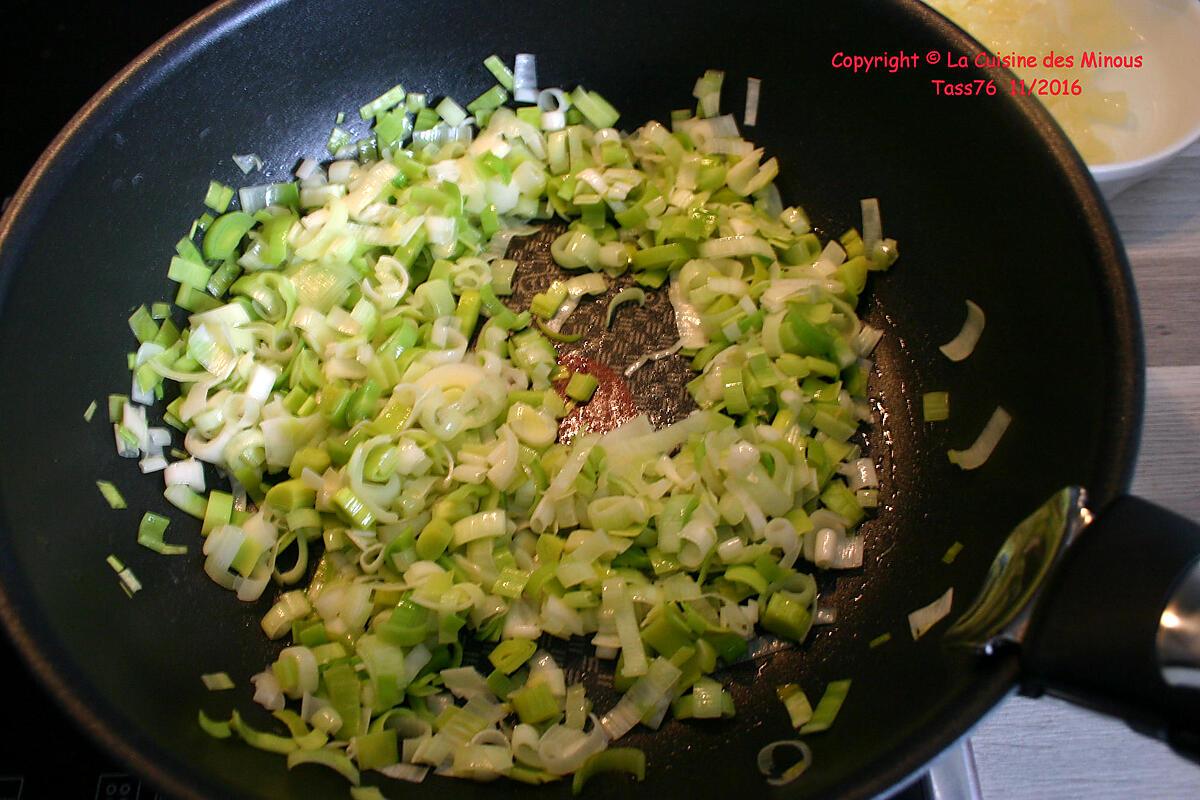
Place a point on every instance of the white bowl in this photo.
(1163, 95)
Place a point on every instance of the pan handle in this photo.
(1117, 627)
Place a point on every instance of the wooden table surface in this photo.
(1045, 749)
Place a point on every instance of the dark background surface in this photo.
(53, 58)
(56, 55)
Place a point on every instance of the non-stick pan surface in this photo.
(985, 196)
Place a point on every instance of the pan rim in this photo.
(152, 65)
(995, 681)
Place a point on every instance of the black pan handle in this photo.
(1117, 628)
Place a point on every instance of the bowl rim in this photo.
(1115, 170)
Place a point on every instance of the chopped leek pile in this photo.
(389, 429)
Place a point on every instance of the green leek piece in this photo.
(218, 197)
(201, 223)
(629, 760)
(381, 463)
(186, 500)
(509, 655)
(335, 403)
(533, 777)
(352, 509)
(500, 314)
(470, 303)
(295, 399)
(952, 553)
(451, 112)
(662, 256)
(313, 458)
(787, 616)
(130, 583)
(341, 683)
(549, 548)
(391, 129)
(651, 279)
(853, 274)
(749, 576)
(191, 300)
(492, 98)
(274, 233)
(338, 139)
(828, 707)
(426, 119)
(247, 557)
(879, 640)
(500, 71)
(116, 407)
(796, 702)
(217, 511)
(581, 387)
(385, 102)
(500, 684)
(287, 496)
(546, 304)
(708, 92)
(667, 632)
(189, 273)
(128, 437)
(594, 108)
(168, 335)
(288, 674)
(450, 625)
(143, 325)
(89, 412)
(407, 626)
(217, 681)
(335, 760)
(361, 406)
(557, 336)
(534, 704)
(329, 653)
(150, 535)
(214, 728)
(434, 538)
(111, 494)
(375, 750)
(223, 236)
(497, 166)
(489, 221)
(935, 406)
(630, 294)
(706, 701)
(312, 635)
(841, 501)
(222, 278)
(291, 719)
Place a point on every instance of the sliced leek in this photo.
(389, 429)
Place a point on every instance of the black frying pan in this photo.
(986, 197)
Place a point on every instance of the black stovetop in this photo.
(42, 755)
(52, 61)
